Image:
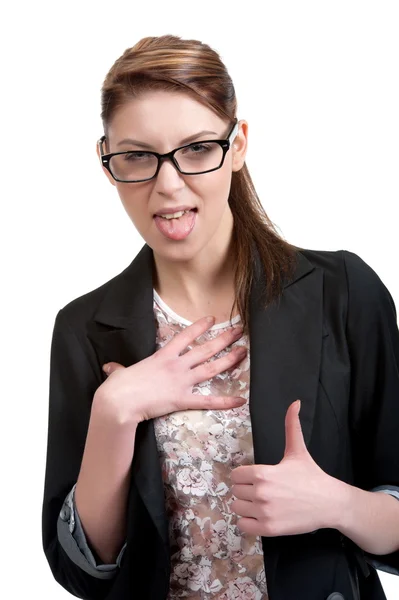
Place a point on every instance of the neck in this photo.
(207, 276)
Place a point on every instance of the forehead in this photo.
(162, 117)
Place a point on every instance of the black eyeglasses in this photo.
(133, 166)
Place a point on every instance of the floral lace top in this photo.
(210, 557)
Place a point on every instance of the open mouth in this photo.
(178, 214)
(177, 227)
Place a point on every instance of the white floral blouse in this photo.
(211, 558)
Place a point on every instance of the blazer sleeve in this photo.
(373, 342)
(73, 382)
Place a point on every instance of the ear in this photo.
(108, 174)
(239, 146)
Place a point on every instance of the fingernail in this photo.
(241, 350)
(238, 329)
(239, 400)
(106, 368)
(210, 319)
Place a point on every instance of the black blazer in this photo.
(332, 341)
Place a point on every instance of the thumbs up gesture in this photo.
(293, 497)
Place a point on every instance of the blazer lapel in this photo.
(123, 330)
(285, 353)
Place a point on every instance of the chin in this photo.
(175, 251)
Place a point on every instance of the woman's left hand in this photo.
(293, 497)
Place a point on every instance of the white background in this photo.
(317, 83)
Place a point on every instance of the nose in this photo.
(169, 178)
(335, 596)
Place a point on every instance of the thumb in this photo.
(294, 441)
(110, 367)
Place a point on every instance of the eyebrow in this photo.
(186, 140)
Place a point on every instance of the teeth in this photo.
(175, 215)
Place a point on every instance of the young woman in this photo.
(178, 463)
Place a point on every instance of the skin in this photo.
(195, 274)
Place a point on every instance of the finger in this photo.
(110, 367)
(244, 508)
(210, 369)
(249, 526)
(179, 342)
(294, 441)
(250, 474)
(203, 352)
(243, 491)
(199, 402)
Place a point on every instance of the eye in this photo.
(134, 156)
(197, 149)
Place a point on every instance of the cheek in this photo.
(213, 191)
(134, 202)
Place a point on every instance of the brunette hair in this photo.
(170, 63)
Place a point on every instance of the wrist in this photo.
(340, 503)
(105, 408)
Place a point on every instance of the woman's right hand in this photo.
(162, 383)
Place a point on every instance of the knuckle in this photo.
(176, 404)
(270, 529)
(210, 368)
(260, 493)
(207, 402)
(265, 512)
(234, 354)
(216, 344)
(260, 475)
(207, 351)
(275, 528)
(169, 363)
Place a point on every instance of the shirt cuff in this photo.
(392, 490)
(72, 538)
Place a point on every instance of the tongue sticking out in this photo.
(176, 229)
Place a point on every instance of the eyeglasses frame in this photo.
(224, 143)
